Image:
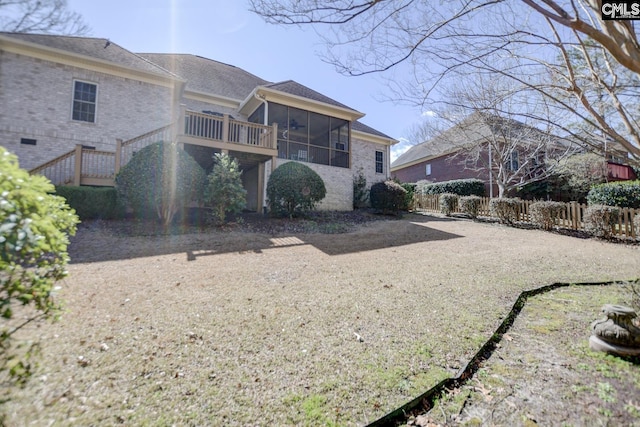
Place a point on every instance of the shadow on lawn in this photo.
(86, 247)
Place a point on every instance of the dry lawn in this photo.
(235, 328)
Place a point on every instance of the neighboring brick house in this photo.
(62, 95)
(463, 152)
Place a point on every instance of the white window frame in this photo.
(73, 101)
(381, 162)
(427, 169)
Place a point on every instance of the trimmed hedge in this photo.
(410, 188)
(505, 209)
(448, 203)
(387, 197)
(545, 214)
(623, 194)
(461, 187)
(599, 220)
(294, 188)
(470, 205)
(92, 202)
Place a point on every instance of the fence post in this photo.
(77, 172)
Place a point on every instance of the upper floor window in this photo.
(307, 136)
(427, 169)
(513, 163)
(84, 101)
(379, 162)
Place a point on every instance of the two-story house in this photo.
(76, 109)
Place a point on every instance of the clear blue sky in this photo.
(225, 30)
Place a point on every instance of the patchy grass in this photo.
(287, 327)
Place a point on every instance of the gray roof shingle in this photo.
(208, 76)
(97, 48)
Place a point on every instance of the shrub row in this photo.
(461, 187)
(92, 202)
(545, 214)
(623, 194)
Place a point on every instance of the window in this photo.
(379, 162)
(427, 169)
(28, 141)
(308, 137)
(84, 101)
(512, 163)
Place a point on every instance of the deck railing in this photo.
(225, 129)
(571, 217)
(85, 166)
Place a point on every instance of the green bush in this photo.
(387, 197)
(623, 194)
(224, 191)
(92, 202)
(448, 203)
(600, 220)
(545, 214)
(360, 193)
(408, 198)
(294, 188)
(160, 180)
(34, 229)
(505, 209)
(461, 187)
(470, 205)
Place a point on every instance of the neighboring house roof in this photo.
(478, 126)
(208, 76)
(97, 48)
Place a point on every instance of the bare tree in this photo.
(432, 41)
(493, 127)
(40, 16)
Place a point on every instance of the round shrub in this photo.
(294, 188)
(387, 197)
(448, 203)
(505, 209)
(160, 180)
(545, 214)
(600, 220)
(623, 194)
(470, 205)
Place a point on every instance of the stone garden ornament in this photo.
(615, 333)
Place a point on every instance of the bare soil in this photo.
(328, 320)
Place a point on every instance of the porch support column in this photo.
(78, 165)
(260, 187)
(225, 128)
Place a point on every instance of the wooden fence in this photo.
(571, 217)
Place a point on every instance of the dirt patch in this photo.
(285, 327)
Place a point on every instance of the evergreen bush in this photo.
(623, 194)
(224, 192)
(294, 188)
(387, 197)
(92, 202)
(408, 198)
(470, 205)
(160, 180)
(600, 220)
(448, 203)
(544, 214)
(360, 193)
(461, 187)
(34, 229)
(505, 209)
